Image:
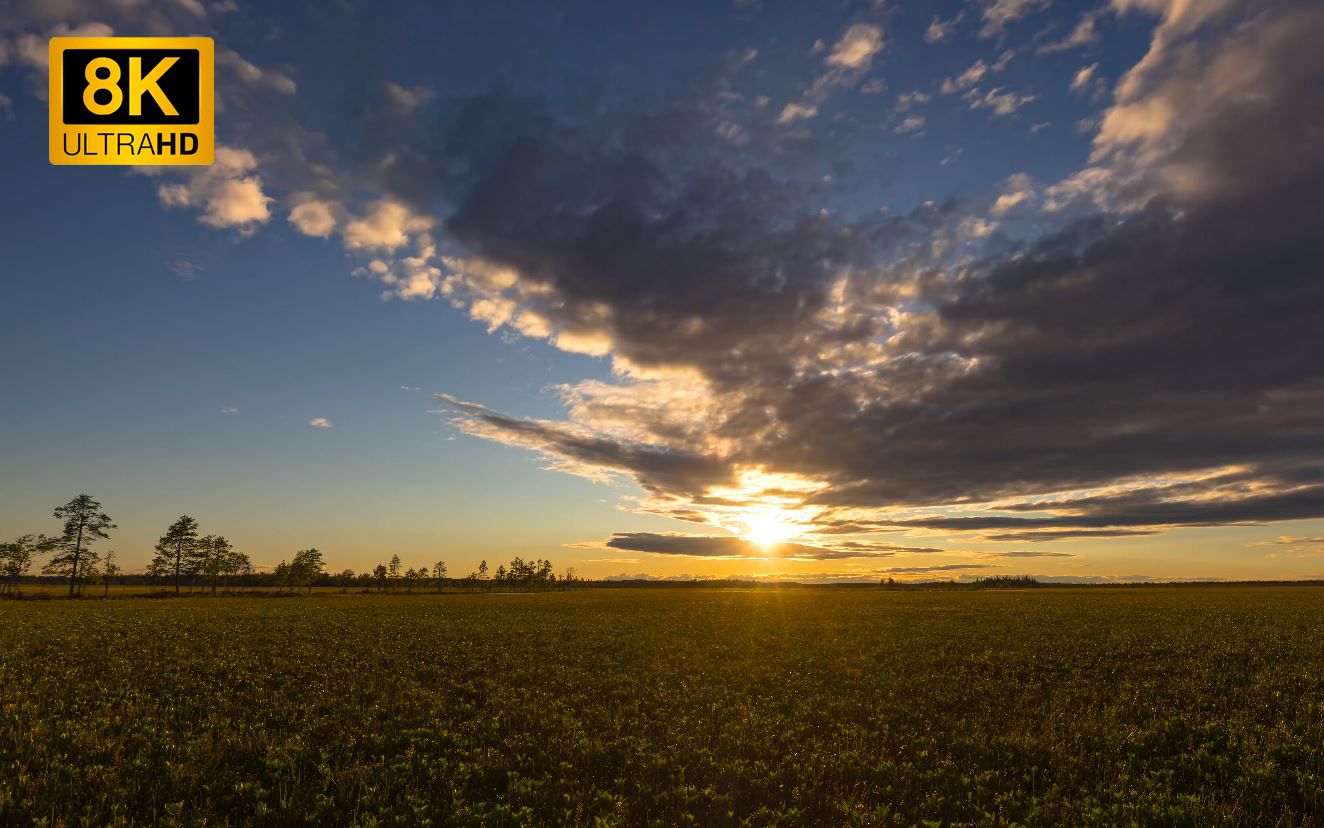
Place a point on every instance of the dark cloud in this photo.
(723, 546)
(1068, 534)
(1023, 553)
(1137, 351)
(926, 570)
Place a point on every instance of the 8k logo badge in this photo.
(132, 100)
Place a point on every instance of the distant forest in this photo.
(187, 560)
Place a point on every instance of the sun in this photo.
(768, 527)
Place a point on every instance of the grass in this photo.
(1196, 706)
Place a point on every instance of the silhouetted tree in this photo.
(216, 558)
(176, 551)
(345, 580)
(380, 574)
(15, 559)
(110, 571)
(84, 522)
(393, 570)
(439, 573)
(306, 568)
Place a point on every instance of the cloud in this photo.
(313, 217)
(1002, 103)
(1019, 191)
(914, 123)
(999, 14)
(229, 192)
(909, 100)
(229, 411)
(794, 112)
(1081, 79)
(253, 75)
(1146, 363)
(857, 47)
(849, 59)
(722, 546)
(1085, 33)
(939, 29)
(320, 422)
(1144, 358)
(971, 76)
(407, 100)
(1030, 553)
(930, 570)
(184, 269)
(387, 225)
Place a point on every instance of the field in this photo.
(1191, 706)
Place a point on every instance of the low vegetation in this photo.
(1193, 706)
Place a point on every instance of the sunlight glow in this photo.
(768, 527)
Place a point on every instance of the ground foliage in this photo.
(1197, 706)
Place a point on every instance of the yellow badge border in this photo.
(206, 127)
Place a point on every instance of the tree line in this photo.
(185, 556)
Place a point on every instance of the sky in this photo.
(817, 291)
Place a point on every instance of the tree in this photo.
(236, 563)
(16, 557)
(393, 570)
(380, 573)
(439, 573)
(110, 572)
(410, 576)
(306, 567)
(177, 550)
(345, 579)
(84, 522)
(214, 557)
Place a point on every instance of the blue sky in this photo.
(587, 225)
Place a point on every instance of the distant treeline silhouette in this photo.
(187, 559)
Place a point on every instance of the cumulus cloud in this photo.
(1149, 363)
(1019, 191)
(228, 193)
(320, 422)
(387, 225)
(313, 216)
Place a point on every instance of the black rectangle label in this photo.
(177, 84)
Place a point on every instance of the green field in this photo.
(1190, 706)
